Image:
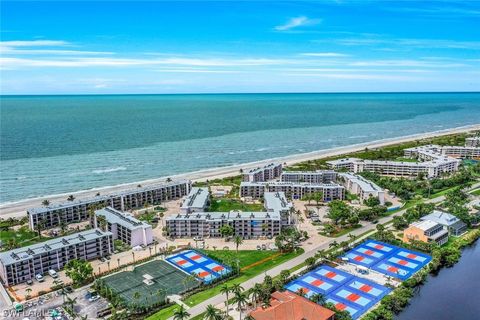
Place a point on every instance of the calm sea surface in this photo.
(58, 144)
(453, 294)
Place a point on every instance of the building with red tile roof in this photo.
(289, 306)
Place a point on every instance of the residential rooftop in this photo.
(244, 215)
(442, 218)
(121, 218)
(365, 185)
(197, 198)
(28, 252)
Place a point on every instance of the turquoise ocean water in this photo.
(59, 144)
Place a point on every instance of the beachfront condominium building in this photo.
(431, 169)
(319, 176)
(249, 225)
(277, 202)
(293, 190)
(197, 200)
(265, 173)
(472, 142)
(76, 211)
(426, 231)
(361, 187)
(124, 227)
(22, 264)
(431, 152)
(452, 224)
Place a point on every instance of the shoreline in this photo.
(18, 208)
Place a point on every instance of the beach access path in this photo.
(220, 298)
(19, 208)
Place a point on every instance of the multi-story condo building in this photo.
(426, 231)
(265, 173)
(76, 211)
(277, 202)
(452, 224)
(22, 264)
(362, 187)
(197, 200)
(472, 142)
(431, 152)
(431, 169)
(124, 227)
(330, 191)
(248, 225)
(319, 176)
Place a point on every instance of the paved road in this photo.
(220, 298)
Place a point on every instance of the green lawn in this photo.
(476, 192)
(244, 276)
(245, 257)
(23, 237)
(226, 205)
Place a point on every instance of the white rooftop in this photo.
(197, 198)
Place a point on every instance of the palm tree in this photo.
(181, 313)
(318, 298)
(118, 262)
(161, 293)
(45, 202)
(212, 313)
(241, 300)
(333, 244)
(256, 293)
(133, 255)
(71, 197)
(301, 292)
(236, 288)
(225, 289)
(70, 307)
(238, 241)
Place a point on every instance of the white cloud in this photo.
(324, 54)
(35, 43)
(76, 62)
(297, 22)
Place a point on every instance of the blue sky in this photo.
(65, 47)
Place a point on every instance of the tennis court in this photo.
(204, 268)
(346, 291)
(150, 283)
(388, 259)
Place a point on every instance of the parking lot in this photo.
(42, 308)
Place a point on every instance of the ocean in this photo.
(60, 144)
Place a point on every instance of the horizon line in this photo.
(228, 93)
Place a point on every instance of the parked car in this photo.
(53, 273)
(29, 282)
(93, 298)
(259, 248)
(39, 277)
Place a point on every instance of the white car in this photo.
(39, 277)
(93, 298)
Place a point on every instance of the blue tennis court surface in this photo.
(204, 268)
(346, 291)
(388, 259)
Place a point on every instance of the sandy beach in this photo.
(18, 208)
